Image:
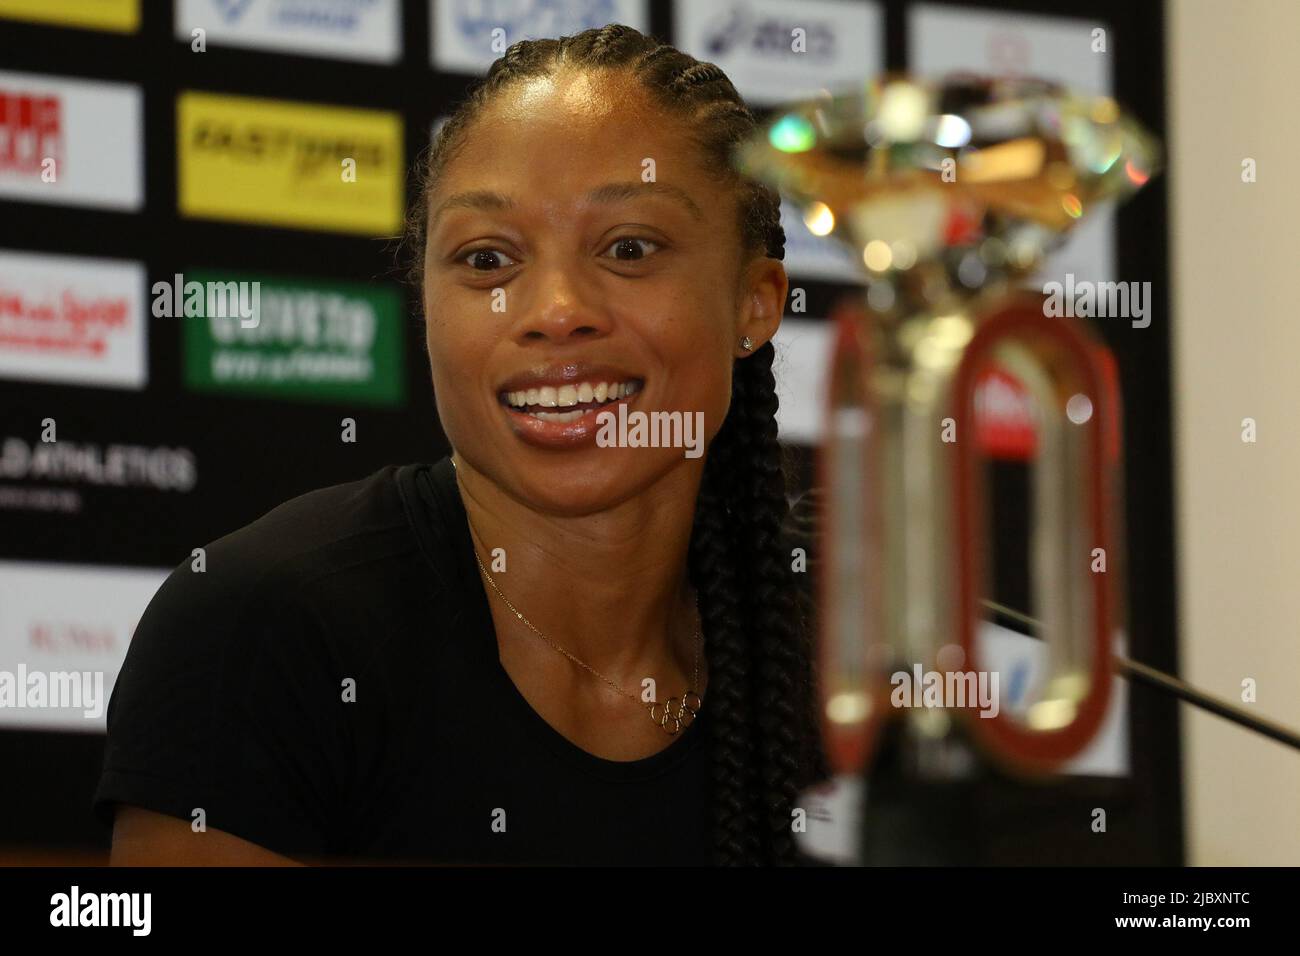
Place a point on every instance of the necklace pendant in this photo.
(676, 714)
(691, 703)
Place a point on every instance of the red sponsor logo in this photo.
(1004, 417)
(31, 131)
(70, 636)
(63, 322)
(1008, 53)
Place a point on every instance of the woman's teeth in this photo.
(567, 396)
(572, 416)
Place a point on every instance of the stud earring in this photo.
(747, 344)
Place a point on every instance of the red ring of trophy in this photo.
(1058, 341)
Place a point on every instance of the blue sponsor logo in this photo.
(232, 10)
(1019, 682)
(531, 18)
(339, 16)
(816, 256)
(740, 30)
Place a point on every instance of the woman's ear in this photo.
(762, 302)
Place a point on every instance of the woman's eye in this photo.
(481, 260)
(629, 246)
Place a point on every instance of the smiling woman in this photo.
(456, 662)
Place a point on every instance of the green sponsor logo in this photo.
(310, 341)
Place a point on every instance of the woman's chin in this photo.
(591, 480)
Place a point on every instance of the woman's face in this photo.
(555, 273)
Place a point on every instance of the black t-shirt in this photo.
(232, 700)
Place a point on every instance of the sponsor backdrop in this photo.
(153, 152)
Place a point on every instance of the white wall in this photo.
(1234, 77)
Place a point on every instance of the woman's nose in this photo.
(561, 309)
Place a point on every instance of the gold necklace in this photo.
(679, 713)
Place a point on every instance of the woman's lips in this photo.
(553, 434)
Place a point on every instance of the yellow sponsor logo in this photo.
(290, 164)
(122, 16)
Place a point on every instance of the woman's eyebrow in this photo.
(617, 192)
(608, 193)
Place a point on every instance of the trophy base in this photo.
(916, 818)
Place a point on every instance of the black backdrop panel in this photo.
(248, 454)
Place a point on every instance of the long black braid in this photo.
(754, 614)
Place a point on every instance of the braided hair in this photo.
(754, 614)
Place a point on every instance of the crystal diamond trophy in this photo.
(950, 194)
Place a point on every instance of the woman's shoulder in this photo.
(311, 541)
(309, 528)
(234, 692)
